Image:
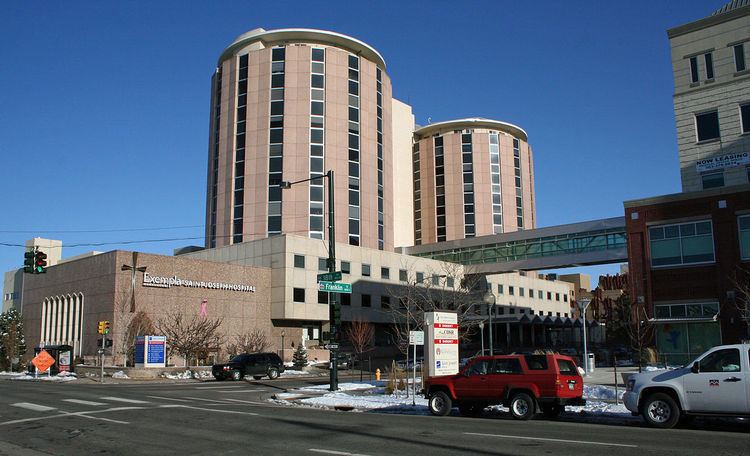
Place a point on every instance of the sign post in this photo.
(43, 361)
(441, 350)
(335, 287)
(415, 338)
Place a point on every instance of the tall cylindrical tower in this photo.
(472, 177)
(288, 105)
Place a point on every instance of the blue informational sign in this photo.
(140, 345)
(156, 349)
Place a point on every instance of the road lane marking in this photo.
(34, 407)
(168, 398)
(240, 391)
(247, 402)
(81, 401)
(342, 453)
(233, 412)
(217, 387)
(215, 401)
(582, 442)
(122, 399)
(68, 414)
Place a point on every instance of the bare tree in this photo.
(361, 334)
(140, 325)
(451, 289)
(640, 331)
(190, 337)
(740, 280)
(252, 342)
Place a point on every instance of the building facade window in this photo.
(417, 194)
(317, 140)
(468, 181)
(682, 244)
(688, 310)
(745, 118)
(707, 126)
(541, 294)
(497, 202)
(346, 299)
(500, 289)
(712, 180)
(694, 78)
(298, 294)
(354, 151)
(531, 293)
(385, 273)
(709, 60)
(385, 302)
(521, 292)
(239, 153)
(62, 321)
(449, 282)
(322, 264)
(346, 267)
(435, 279)
(511, 290)
(739, 57)
(366, 300)
(379, 136)
(439, 188)
(276, 140)
(322, 297)
(419, 277)
(743, 224)
(403, 276)
(299, 261)
(365, 270)
(215, 158)
(518, 182)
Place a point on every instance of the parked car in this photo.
(257, 365)
(526, 384)
(346, 361)
(716, 383)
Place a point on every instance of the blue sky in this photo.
(104, 105)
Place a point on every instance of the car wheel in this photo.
(440, 404)
(660, 410)
(236, 375)
(273, 373)
(552, 411)
(470, 408)
(522, 406)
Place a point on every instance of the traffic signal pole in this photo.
(333, 300)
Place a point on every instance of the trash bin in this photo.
(63, 356)
(590, 363)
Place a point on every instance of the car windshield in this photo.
(238, 359)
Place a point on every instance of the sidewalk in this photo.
(606, 375)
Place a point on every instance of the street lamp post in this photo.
(333, 298)
(489, 299)
(481, 335)
(583, 303)
(282, 345)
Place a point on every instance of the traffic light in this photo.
(336, 314)
(101, 327)
(28, 262)
(107, 342)
(40, 262)
(106, 327)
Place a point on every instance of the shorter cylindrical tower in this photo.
(472, 177)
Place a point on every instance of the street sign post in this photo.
(43, 361)
(330, 277)
(335, 287)
(331, 346)
(415, 338)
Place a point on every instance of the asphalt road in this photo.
(196, 418)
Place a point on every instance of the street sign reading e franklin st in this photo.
(335, 287)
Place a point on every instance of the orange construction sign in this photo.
(43, 361)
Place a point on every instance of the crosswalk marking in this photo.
(168, 398)
(34, 407)
(204, 400)
(122, 399)
(81, 401)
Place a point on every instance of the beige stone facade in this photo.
(65, 305)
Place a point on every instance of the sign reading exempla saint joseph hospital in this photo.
(441, 343)
(723, 161)
(174, 281)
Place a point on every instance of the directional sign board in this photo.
(43, 361)
(416, 337)
(331, 346)
(330, 277)
(335, 287)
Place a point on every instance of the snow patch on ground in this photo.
(120, 374)
(292, 372)
(12, 374)
(390, 402)
(601, 392)
(61, 377)
(342, 387)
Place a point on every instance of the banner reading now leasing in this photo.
(723, 161)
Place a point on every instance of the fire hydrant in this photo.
(377, 374)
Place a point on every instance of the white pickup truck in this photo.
(716, 383)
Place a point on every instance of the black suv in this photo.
(256, 364)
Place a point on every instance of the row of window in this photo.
(239, 158)
(692, 310)
(691, 242)
(276, 140)
(215, 159)
(501, 310)
(715, 179)
(354, 151)
(497, 204)
(317, 141)
(707, 123)
(519, 191)
(439, 188)
(468, 176)
(705, 62)
(522, 293)
(417, 194)
(379, 132)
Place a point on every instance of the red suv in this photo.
(526, 384)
